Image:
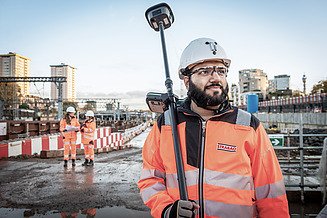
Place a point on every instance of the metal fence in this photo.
(304, 160)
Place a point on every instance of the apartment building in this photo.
(16, 65)
(69, 90)
(253, 81)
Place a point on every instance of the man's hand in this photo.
(181, 208)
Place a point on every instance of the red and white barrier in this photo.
(134, 131)
(30, 146)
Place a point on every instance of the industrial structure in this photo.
(58, 81)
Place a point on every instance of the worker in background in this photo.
(230, 165)
(88, 130)
(69, 126)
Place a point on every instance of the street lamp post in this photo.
(304, 80)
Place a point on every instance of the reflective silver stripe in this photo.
(88, 130)
(215, 178)
(87, 137)
(228, 180)
(190, 176)
(146, 174)
(271, 190)
(223, 210)
(147, 193)
(167, 118)
(68, 143)
(243, 118)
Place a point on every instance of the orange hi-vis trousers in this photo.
(89, 151)
(69, 144)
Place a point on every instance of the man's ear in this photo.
(186, 81)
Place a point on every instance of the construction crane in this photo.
(57, 80)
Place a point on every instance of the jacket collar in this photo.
(185, 107)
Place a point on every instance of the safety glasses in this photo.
(208, 71)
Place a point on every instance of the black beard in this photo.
(203, 100)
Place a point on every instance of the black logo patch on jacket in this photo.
(225, 147)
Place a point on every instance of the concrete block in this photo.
(51, 154)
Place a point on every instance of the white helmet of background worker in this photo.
(70, 109)
(199, 51)
(89, 114)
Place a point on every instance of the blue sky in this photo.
(117, 53)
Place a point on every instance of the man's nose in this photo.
(215, 76)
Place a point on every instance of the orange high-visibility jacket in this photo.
(230, 166)
(88, 133)
(69, 134)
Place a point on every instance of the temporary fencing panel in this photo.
(53, 142)
(60, 142)
(14, 148)
(45, 143)
(27, 147)
(4, 150)
(37, 145)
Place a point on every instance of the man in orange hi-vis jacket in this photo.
(88, 130)
(231, 169)
(69, 126)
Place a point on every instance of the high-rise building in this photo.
(253, 81)
(15, 65)
(282, 82)
(68, 91)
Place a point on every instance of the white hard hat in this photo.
(199, 51)
(89, 114)
(70, 109)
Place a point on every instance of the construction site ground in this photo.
(44, 188)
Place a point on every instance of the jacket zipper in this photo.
(201, 170)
